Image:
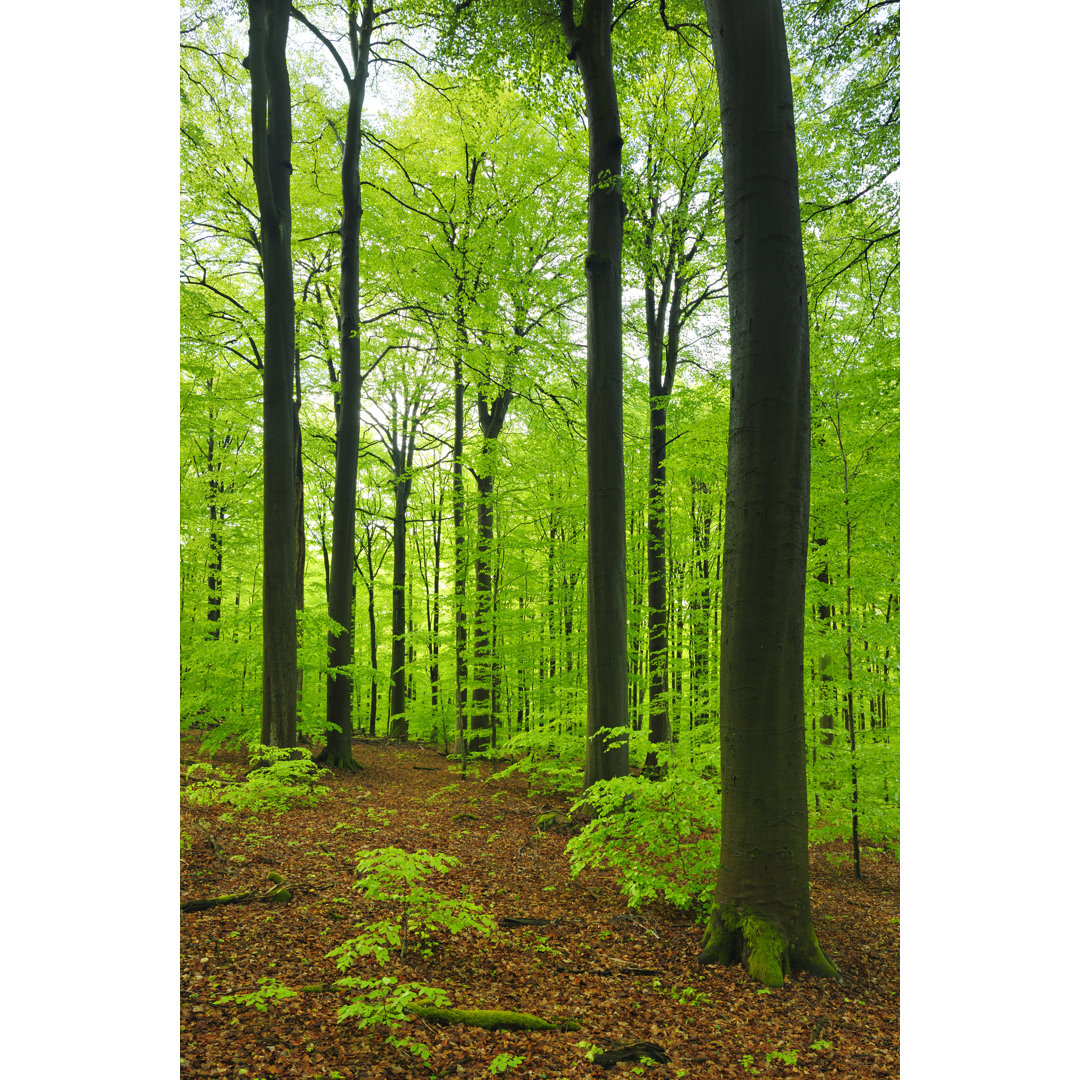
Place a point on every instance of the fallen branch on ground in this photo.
(279, 894)
(493, 1019)
(631, 1051)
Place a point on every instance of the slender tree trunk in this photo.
(373, 641)
(825, 721)
(656, 563)
(214, 570)
(301, 534)
(702, 528)
(271, 124)
(663, 360)
(433, 648)
(850, 711)
(589, 45)
(461, 633)
(491, 417)
(883, 711)
(339, 684)
(552, 612)
(398, 727)
(761, 908)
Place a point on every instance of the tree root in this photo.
(493, 1019)
(343, 762)
(734, 937)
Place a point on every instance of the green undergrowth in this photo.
(662, 835)
(549, 754)
(399, 882)
(276, 780)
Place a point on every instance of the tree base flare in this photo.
(343, 760)
(492, 1019)
(733, 937)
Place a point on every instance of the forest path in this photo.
(711, 1021)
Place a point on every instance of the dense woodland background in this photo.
(979, 438)
(473, 187)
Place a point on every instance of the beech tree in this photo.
(588, 41)
(271, 149)
(341, 592)
(761, 909)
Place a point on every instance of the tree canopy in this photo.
(482, 438)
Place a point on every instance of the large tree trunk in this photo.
(271, 129)
(339, 683)
(761, 909)
(589, 45)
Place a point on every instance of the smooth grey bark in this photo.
(588, 43)
(340, 597)
(271, 145)
(761, 908)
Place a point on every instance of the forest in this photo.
(539, 554)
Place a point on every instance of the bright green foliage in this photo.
(270, 990)
(397, 878)
(502, 1063)
(386, 1000)
(280, 779)
(392, 876)
(517, 248)
(551, 754)
(663, 835)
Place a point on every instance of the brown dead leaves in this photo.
(586, 963)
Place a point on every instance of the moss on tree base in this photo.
(736, 937)
(343, 761)
(492, 1019)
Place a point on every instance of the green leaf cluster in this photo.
(661, 834)
(280, 779)
(270, 990)
(502, 1063)
(393, 876)
(386, 1000)
(550, 753)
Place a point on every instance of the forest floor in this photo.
(711, 1021)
